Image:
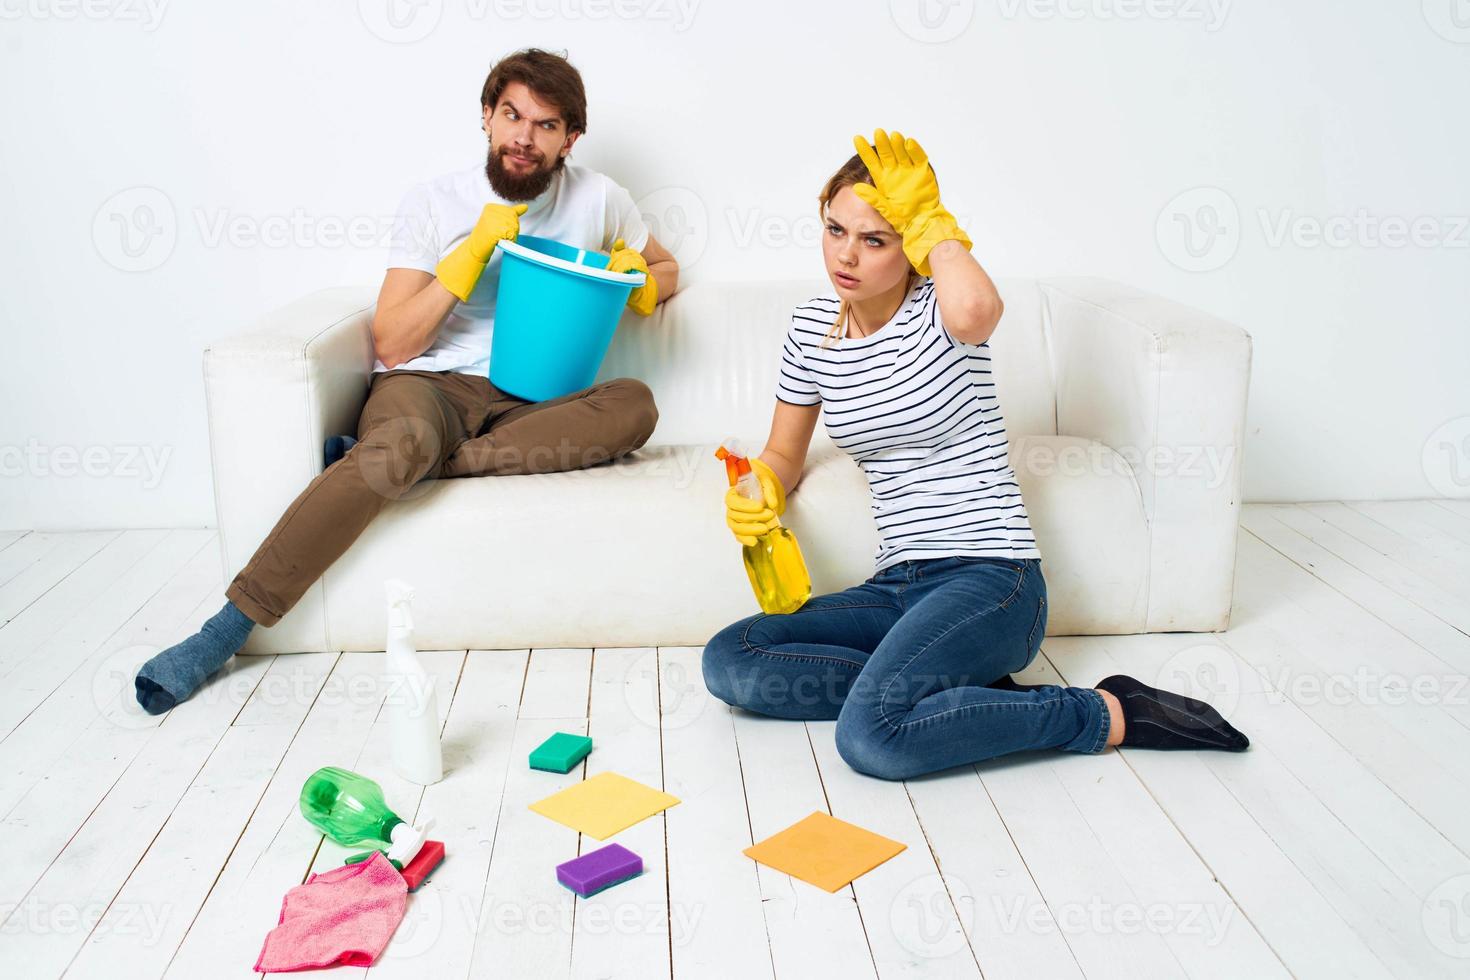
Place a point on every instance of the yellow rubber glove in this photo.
(906, 193)
(461, 268)
(645, 297)
(750, 519)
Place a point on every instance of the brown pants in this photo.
(420, 425)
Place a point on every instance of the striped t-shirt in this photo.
(918, 411)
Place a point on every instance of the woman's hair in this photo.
(854, 171)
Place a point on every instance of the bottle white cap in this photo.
(407, 840)
(400, 595)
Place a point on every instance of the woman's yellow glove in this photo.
(645, 297)
(906, 193)
(750, 519)
(461, 268)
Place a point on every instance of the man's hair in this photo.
(550, 76)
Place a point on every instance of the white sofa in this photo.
(1125, 411)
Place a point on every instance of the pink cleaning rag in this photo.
(346, 915)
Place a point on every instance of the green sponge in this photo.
(560, 752)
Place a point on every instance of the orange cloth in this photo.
(824, 851)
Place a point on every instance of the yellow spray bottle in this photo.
(777, 571)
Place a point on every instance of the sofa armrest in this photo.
(1164, 386)
(273, 393)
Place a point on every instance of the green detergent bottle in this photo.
(350, 809)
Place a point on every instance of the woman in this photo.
(914, 663)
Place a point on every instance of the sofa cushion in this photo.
(495, 559)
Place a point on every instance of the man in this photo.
(431, 410)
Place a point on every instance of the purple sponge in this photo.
(599, 869)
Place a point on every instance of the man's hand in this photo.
(462, 268)
(645, 297)
(906, 193)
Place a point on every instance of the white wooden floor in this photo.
(1338, 846)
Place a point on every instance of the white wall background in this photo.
(173, 168)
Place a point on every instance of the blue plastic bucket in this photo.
(555, 314)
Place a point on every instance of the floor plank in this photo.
(526, 914)
(55, 610)
(714, 890)
(82, 829)
(1088, 894)
(1368, 828)
(626, 931)
(1415, 551)
(277, 844)
(1425, 522)
(29, 570)
(77, 688)
(178, 869)
(448, 910)
(29, 549)
(1341, 665)
(991, 887)
(69, 600)
(1303, 929)
(988, 882)
(1440, 623)
(812, 933)
(1458, 506)
(1374, 899)
(910, 911)
(69, 651)
(1449, 606)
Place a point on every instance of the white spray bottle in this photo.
(412, 703)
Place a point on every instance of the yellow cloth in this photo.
(645, 297)
(824, 851)
(604, 804)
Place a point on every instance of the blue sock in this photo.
(175, 673)
(335, 448)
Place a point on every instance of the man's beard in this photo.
(518, 187)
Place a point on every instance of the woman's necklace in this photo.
(851, 323)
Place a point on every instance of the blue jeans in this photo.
(905, 661)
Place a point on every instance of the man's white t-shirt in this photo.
(581, 208)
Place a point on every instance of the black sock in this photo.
(175, 673)
(1155, 719)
